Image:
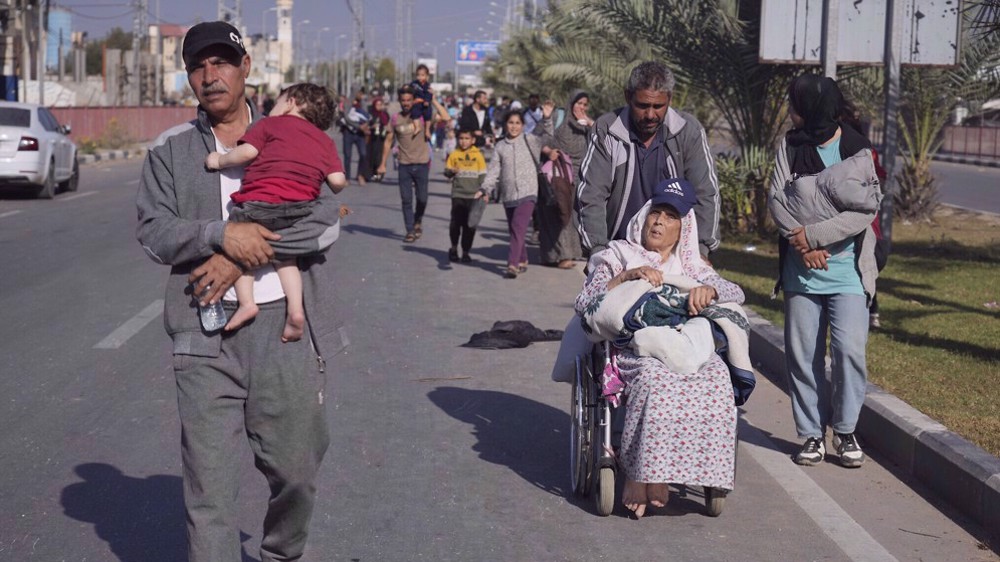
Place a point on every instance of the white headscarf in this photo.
(630, 253)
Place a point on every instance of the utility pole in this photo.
(232, 15)
(890, 148)
(831, 30)
(400, 49)
(40, 54)
(140, 28)
(357, 42)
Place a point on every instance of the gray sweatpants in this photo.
(273, 393)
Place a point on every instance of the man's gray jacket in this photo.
(180, 224)
(610, 165)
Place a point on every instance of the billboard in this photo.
(475, 52)
(791, 32)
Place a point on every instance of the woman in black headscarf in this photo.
(827, 264)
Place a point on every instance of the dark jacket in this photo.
(469, 121)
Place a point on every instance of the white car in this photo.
(35, 151)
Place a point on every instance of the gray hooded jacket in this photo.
(180, 225)
(610, 164)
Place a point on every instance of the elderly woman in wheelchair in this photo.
(680, 346)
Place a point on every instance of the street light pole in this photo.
(298, 54)
(263, 21)
(338, 55)
(267, 43)
(315, 54)
(40, 57)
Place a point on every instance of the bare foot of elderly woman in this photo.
(634, 497)
(658, 494)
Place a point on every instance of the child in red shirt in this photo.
(289, 156)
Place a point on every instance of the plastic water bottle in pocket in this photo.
(213, 316)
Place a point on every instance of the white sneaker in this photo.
(873, 321)
(812, 452)
(848, 450)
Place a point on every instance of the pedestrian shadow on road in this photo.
(372, 231)
(141, 519)
(440, 256)
(527, 436)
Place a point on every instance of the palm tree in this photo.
(929, 96)
(713, 46)
(985, 16)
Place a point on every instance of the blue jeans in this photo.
(413, 177)
(354, 139)
(816, 402)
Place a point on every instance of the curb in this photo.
(110, 155)
(972, 160)
(960, 472)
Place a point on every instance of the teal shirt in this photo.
(842, 277)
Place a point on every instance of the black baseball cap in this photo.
(210, 33)
(676, 192)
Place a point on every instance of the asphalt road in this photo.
(969, 187)
(439, 452)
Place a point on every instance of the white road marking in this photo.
(130, 328)
(133, 182)
(851, 537)
(77, 196)
(9, 213)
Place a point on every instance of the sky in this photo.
(435, 23)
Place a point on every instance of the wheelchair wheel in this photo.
(581, 436)
(605, 496)
(715, 500)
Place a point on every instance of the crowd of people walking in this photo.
(634, 190)
(533, 154)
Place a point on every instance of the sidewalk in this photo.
(103, 155)
(959, 472)
(964, 159)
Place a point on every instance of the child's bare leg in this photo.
(291, 283)
(248, 307)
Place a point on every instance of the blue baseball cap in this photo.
(676, 192)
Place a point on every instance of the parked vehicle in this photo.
(35, 151)
(990, 118)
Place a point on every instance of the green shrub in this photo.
(743, 183)
(115, 136)
(87, 145)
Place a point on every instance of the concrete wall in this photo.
(972, 141)
(142, 123)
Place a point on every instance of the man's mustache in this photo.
(215, 89)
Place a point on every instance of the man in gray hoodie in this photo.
(246, 382)
(635, 147)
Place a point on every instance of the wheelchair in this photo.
(593, 465)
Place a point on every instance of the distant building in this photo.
(284, 46)
(165, 43)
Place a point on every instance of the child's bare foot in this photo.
(658, 494)
(295, 326)
(634, 497)
(243, 314)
